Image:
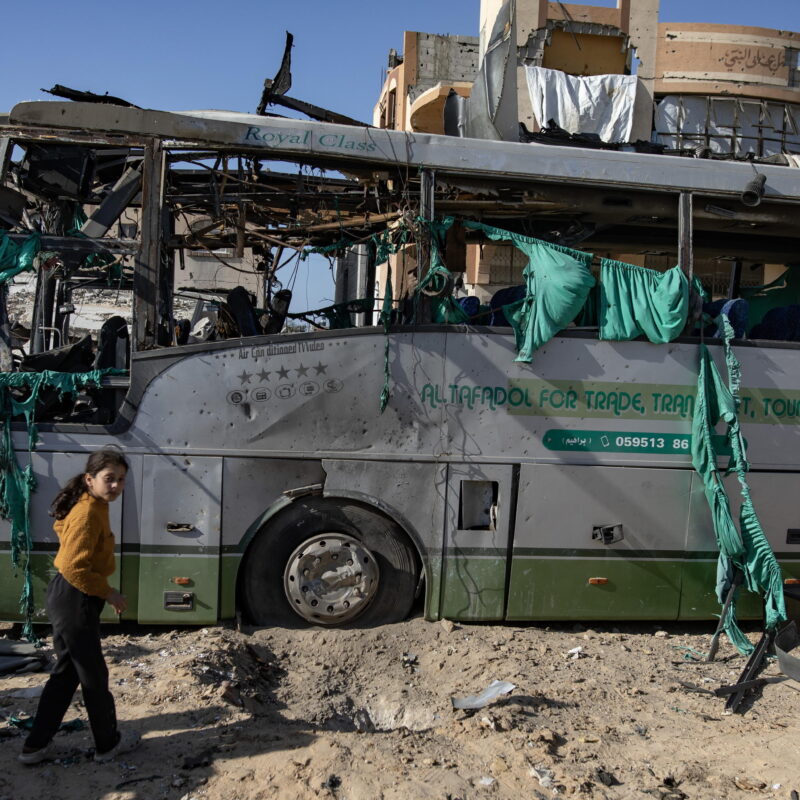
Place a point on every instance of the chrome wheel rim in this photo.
(330, 578)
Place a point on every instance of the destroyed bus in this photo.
(541, 454)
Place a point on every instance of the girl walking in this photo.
(75, 598)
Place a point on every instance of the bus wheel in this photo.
(329, 562)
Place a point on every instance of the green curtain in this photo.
(16, 258)
(384, 247)
(747, 548)
(589, 315)
(636, 301)
(445, 309)
(557, 283)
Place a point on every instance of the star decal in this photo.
(283, 373)
(264, 375)
(320, 368)
(244, 377)
(302, 371)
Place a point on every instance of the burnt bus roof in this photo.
(325, 143)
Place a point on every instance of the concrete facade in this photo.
(731, 60)
(418, 81)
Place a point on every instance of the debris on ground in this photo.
(494, 690)
(367, 713)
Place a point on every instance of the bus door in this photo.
(476, 541)
(180, 539)
(596, 542)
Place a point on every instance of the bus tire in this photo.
(329, 562)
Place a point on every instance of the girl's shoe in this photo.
(37, 756)
(128, 740)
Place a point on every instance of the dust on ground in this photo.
(601, 712)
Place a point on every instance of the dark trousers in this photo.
(75, 618)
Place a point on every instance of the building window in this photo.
(391, 104)
(793, 63)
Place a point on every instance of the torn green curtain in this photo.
(437, 280)
(747, 548)
(636, 301)
(557, 282)
(16, 258)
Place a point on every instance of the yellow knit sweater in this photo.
(86, 546)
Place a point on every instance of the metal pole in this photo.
(686, 258)
(6, 360)
(427, 183)
(147, 269)
(736, 279)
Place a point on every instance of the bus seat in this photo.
(239, 304)
(113, 350)
(182, 330)
(278, 309)
(75, 357)
(503, 297)
(471, 305)
(779, 324)
(737, 311)
(478, 313)
(113, 344)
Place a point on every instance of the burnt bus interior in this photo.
(119, 212)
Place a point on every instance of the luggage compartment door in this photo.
(599, 543)
(476, 541)
(180, 539)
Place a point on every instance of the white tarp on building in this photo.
(601, 104)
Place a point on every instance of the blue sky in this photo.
(176, 55)
(173, 54)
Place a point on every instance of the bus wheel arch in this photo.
(331, 561)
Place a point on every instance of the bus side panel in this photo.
(563, 569)
(250, 486)
(52, 471)
(180, 539)
(779, 518)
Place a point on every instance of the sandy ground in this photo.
(367, 714)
